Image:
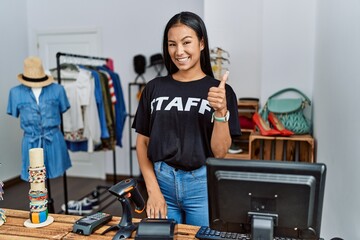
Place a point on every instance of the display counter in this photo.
(62, 226)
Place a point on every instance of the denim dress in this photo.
(40, 123)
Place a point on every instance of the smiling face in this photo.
(184, 48)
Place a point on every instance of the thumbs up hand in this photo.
(223, 80)
(217, 96)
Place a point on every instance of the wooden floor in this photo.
(16, 196)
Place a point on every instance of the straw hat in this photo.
(34, 74)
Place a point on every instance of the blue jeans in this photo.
(185, 193)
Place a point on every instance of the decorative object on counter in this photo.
(290, 111)
(38, 193)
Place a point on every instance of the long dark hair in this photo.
(194, 22)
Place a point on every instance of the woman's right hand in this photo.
(156, 205)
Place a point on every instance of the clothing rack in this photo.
(58, 56)
(131, 115)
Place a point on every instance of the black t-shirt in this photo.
(176, 116)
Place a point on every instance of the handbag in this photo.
(290, 111)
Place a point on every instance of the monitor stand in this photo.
(262, 226)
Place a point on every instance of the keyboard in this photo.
(206, 233)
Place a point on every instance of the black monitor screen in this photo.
(262, 197)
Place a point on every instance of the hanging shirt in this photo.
(111, 87)
(107, 143)
(99, 102)
(120, 109)
(40, 123)
(81, 122)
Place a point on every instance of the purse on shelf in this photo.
(290, 111)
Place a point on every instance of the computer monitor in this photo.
(266, 198)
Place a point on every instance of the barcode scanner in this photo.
(124, 191)
(128, 188)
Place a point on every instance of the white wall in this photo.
(336, 113)
(13, 50)
(271, 43)
(236, 26)
(288, 43)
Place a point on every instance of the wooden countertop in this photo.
(62, 226)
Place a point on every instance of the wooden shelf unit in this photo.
(255, 146)
(298, 148)
(246, 108)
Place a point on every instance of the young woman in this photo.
(182, 119)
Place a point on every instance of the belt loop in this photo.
(158, 166)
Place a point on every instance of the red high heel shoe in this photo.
(265, 130)
(278, 125)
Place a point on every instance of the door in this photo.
(85, 43)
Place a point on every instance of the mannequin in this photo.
(39, 102)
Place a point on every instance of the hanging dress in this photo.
(41, 125)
